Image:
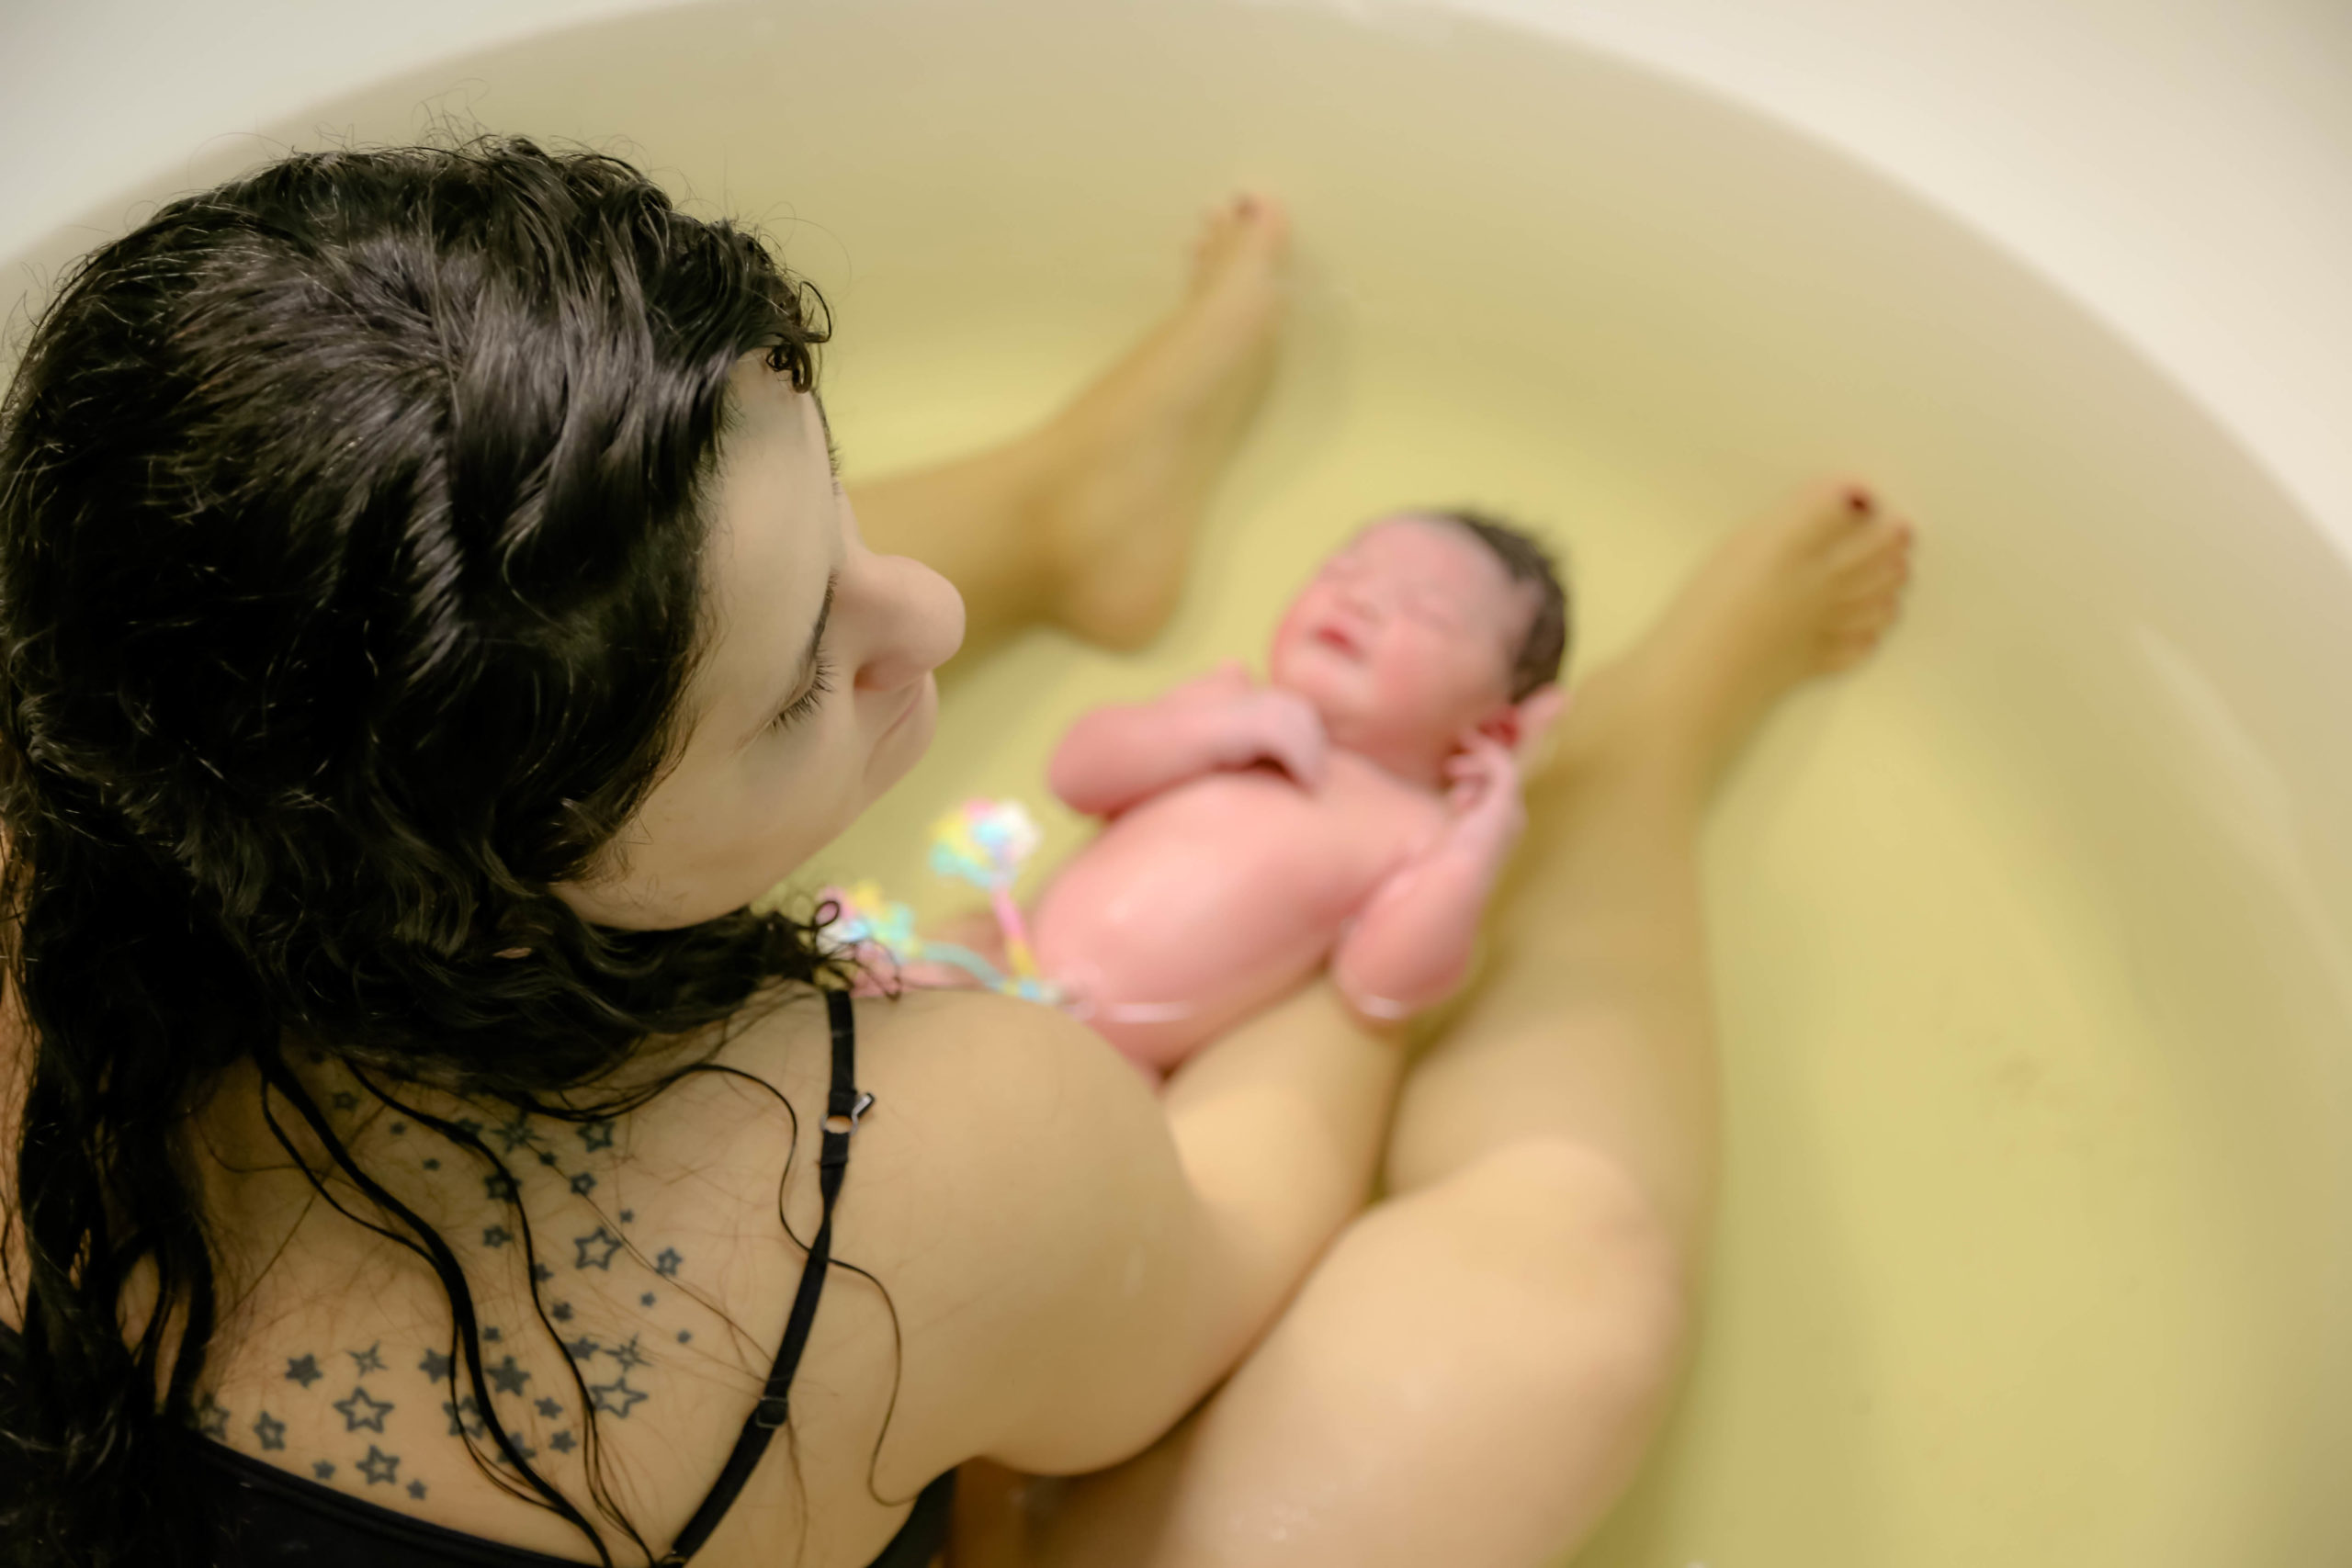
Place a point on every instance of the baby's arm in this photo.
(1409, 946)
(1116, 756)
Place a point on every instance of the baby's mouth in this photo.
(1338, 638)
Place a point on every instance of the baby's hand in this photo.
(1484, 793)
(1280, 725)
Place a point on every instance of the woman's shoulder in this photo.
(1014, 1187)
(634, 1272)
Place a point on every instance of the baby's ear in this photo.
(1522, 726)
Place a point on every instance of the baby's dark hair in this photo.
(1543, 651)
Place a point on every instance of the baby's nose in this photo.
(1363, 597)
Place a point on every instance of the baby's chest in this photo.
(1335, 843)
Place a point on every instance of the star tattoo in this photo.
(367, 1361)
(561, 1442)
(465, 1417)
(596, 1249)
(583, 1184)
(597, 1135)
(616, 1396)
(551, 1408)
(496, 1236)
(417, 1490)
(436, 1366)
(270, 1432)
(380, 1465)
(303, 1370)
(666, 1261)
(324, 1471)
(359, 1411)
(506, 1377)
(212, 1419)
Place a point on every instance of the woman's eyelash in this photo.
(806, 703)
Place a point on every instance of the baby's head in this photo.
(1426, 624)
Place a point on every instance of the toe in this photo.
(1828, 512)
(1249, 229)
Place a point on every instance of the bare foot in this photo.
(1141, 449)
(1807, 591)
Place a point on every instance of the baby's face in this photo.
(1405, 638)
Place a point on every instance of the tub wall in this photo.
(2182, 167)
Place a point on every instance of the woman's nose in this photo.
(913, 619)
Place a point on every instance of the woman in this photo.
(429, 617)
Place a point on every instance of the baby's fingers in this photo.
(1301, 753)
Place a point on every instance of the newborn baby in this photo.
(1355, 810)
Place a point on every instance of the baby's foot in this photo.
(1805, 591)
(1141, 449)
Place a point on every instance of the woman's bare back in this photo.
(1038, 1317)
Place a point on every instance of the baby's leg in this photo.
(1471, 1374)
(1088, 521)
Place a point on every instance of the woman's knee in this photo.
(1583, 1286)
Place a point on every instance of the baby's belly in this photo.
(1196, 909)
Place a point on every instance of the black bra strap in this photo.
(843, 1106)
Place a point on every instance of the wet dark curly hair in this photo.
(352, 523)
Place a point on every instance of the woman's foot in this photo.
(1135, 458)
(1807, 591)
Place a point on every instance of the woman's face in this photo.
(816, 695)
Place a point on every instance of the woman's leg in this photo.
(1471, 1375)
(1088, 521)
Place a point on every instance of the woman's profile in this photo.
(430, 616)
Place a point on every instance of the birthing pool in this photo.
(2033, 936)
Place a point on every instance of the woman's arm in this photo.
(1113, 1255)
